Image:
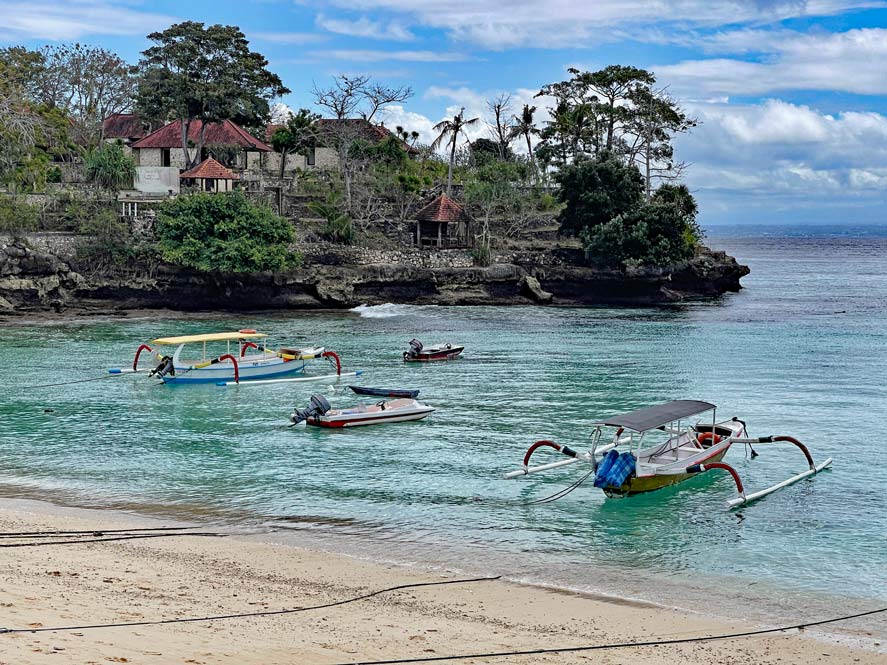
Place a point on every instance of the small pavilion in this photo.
(211, 176)
(442, 223)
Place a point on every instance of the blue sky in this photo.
(791, 95)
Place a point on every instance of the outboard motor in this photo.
(165, 367)
(316, 407)
(415, 349)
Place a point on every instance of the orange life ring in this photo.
(247, 331)
(705, 436)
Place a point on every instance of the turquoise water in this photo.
(800, 351)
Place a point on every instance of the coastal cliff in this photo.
(42, 273)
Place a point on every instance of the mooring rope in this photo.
(560, 494)
(622, 645)
(263, 613)
(76, 540)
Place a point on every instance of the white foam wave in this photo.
(385, 311)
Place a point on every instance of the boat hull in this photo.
(393, 412)
(384, 392)
(650, 483)
(247, 371)
(434, 354)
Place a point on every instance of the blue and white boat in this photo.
(226, 357)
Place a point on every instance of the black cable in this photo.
(78, 541)
(619, 645)
(68, 383)
(560, 494)
(41, 534)
(250, 614)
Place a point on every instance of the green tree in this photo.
(525, 127)
(207, 74)
(223, 233)
(109, 167)
(594, 191)
(448, 134)
(297, 134)
(655, 233)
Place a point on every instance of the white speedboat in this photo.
(320, 414)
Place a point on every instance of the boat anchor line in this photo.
(685, 453)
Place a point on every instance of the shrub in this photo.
(223, 233)
(16, 216)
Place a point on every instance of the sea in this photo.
(800, 350)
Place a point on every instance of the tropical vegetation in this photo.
(592, 158)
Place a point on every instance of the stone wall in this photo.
(322, 253)
(59, 244)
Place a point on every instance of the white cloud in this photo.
(570, 24)
(359, 55)
(289, 37)
(364, 27)
(847, 62)
(76, 19)
(777, 155)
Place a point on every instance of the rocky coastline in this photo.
(40, 273)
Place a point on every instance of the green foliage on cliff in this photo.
(595, 191)
(660, 232)
(223, 233)
(109, 167)
(16, 216)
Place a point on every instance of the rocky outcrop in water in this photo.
(40, 277)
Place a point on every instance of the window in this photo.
(165, 159)
(311, 157)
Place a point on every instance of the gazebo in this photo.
(442, 223)
(212, 176)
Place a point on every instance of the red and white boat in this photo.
(320, 414)
(420, 353)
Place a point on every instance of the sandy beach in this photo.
(177, 577)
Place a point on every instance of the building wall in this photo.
(156, 179)
(154, 157)
(270, 162)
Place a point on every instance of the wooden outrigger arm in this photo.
(569, 452)
(744, 498)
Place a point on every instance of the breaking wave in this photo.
(385, 311)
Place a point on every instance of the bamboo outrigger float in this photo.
(686, 451)
(245, 356)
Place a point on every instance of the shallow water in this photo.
(801, 351)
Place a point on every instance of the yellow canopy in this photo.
(210, 337)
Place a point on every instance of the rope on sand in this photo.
(265, 613)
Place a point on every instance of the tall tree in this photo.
(448, 134)
(502, 123)
(525, 127)
(353, 101)
(206, 74)
(84, 82)
(298, 134)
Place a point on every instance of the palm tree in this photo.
(449, 134)
(524, 126)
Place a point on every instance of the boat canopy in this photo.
(210, 337)
(661, 414)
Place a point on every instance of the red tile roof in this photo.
(441, 209)
(220, 133)
(210, 169)
(123, 126)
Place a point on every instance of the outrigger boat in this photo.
(321, 414)
(658, 450)
(244, 357)
(419, 353)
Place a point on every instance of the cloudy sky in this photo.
(791, 95)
